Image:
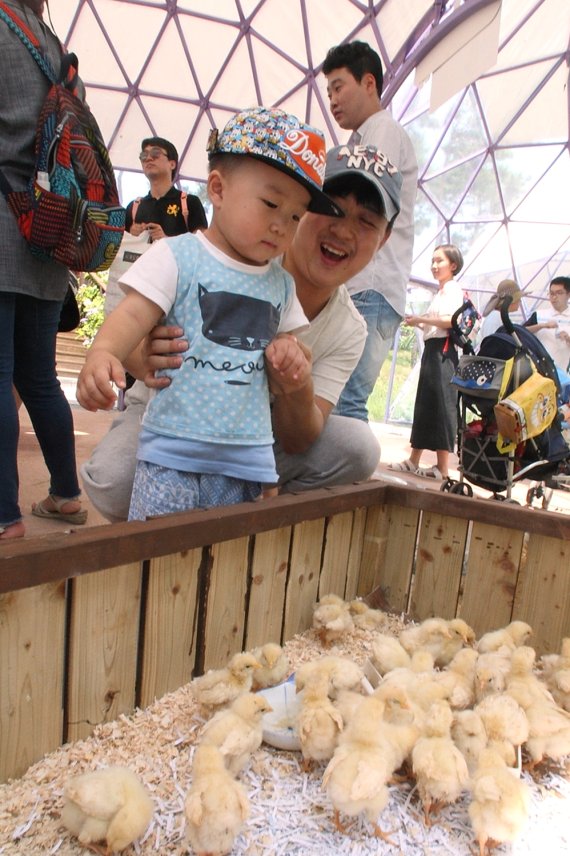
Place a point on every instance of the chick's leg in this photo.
(385, 836)
(339, 825)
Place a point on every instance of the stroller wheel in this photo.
(461, 489)
(498, 497)
(446, 485)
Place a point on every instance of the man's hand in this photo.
(288, 364)
(161, 350)
(137, 228)
(155, 231)
(94, 385)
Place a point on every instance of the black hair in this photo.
(452, 254)
(162, 143)
(562, 280)
(359, 187)
(359, 58)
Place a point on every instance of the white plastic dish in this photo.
(279, 728)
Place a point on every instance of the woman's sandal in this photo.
(77, 517)
(405, 467)
(432, 473)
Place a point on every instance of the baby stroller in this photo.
(510, 364)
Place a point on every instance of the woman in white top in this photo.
(435, 412)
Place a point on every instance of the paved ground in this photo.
(90, 427)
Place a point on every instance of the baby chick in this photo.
(430, 636)
(522, 684)
(216, 806)
(438, 765)
(491, 672)
(274, 666)
(556, 673)
(506, 724)
(108, 805)
(387, 653)
(332, 618)
(365, 617)
(219, 687)
(514, 635)
(550, 663)
(459, 679)
(237, 731)
(318, 723)
(500, 801)
(469, 735)
(342, 674)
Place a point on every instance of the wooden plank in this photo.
(171, 611)
(439, 562)
(268, 584)
(303, 583)
(355, 554)
(225, 602)
(338, 536)
(542, 597)
(32, 654)
(388, 553)
(491, 579)
(104, 630)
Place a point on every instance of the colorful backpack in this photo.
(70, 211)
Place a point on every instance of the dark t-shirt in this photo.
(167, 212)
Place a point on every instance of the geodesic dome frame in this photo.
(493, 154)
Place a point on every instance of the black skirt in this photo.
(435, 410)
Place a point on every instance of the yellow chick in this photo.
(342, 674)
(420, 681)
(438, 765)
(319, 723)
(219, 687)
(549, 732)
(459, 679)
(109, 805)
(332, 619)
(365, 617)
(445, 650)
(347, 702)
(216, 805)
(514, 635)
(387, 653)
(556, 674)
(274, 666)
(469, 735)
(237, 731)
(550, 663)
(428, 635)
(522, 684)
(491, 672)
(506, 724)
(500, 801)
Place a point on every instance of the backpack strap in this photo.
(29, 39)
(184, 207)
(135, 207)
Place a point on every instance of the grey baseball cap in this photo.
(374, 166)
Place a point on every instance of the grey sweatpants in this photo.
(347, 451)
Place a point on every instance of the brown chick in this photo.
(332, 619)
(506, 724)
(319, 723)
(216, 806)
(514, 635)
(109, 805)
(342, 674)
(274, 666)
(219, 687)
(459, 679)
(237, 731)
(469, 735)
(387, 653)
(365, 617)
(500, 801)
(438, 765)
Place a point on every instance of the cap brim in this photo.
(320, 203)
(495, 300)
(390, 209)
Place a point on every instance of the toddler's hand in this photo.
(288, 364)
(94, 389)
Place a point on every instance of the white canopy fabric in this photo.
(494, 155)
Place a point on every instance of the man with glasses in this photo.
(553, 328)
(165, 210)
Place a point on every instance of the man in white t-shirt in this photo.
(354, 84)
(553, 328)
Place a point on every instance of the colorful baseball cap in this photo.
(282, 141)
(372, 165)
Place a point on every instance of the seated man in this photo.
(313, 448)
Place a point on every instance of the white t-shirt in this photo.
(446, 301)
(550, 337)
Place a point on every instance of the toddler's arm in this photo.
(288, 364)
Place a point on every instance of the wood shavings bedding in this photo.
(290, 811)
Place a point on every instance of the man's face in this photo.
(349, 100)
(156, 163)
(558, 297)
(328, 251)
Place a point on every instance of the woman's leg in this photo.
(36, 381)
(10, 515)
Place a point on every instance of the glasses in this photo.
(151, 154)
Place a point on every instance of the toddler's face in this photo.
(259, 212)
